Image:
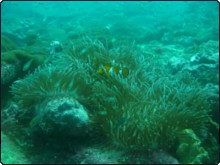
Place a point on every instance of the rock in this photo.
(64, 115)
(162, 157)
(94, 156)
(155, 157)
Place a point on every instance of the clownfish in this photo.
(110, 70)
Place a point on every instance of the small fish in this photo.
(110, 70)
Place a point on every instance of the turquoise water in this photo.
(109, 82)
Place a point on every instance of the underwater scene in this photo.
(104, 82)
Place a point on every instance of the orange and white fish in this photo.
(111, 70)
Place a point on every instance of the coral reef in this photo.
(201, 58)
(110, 83)
(136, 112)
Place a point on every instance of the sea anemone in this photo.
(49, 82)
(148, 108)
(93, 52)
(50, 98)
(147, 112)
